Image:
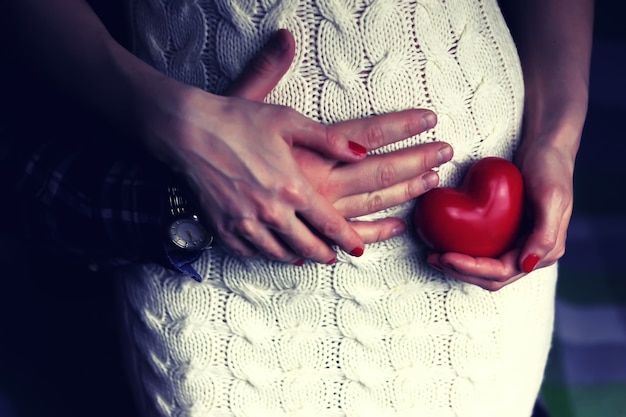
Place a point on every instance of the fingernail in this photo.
(357, 149)
(299, 262)
(357, 251)
(398, 230)
(429, 120)
(430, 180)
(332, 261)
(444, 155)
(277, 43)
(529, 263)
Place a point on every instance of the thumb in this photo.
(266, 69)
(545, 244)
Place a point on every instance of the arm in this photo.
(88, 170)
(250, 187)
(70, 44)
(557, 90)
(554, 40)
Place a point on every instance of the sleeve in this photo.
(72, 185)
(91, 198)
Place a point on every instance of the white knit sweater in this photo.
(382, 335)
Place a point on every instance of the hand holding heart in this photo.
(480, 218)
(547, 172)
(477, 222)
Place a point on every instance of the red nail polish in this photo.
(529, 263)
(357, 149)
(299, 262)
(357, 252)
(332, 261)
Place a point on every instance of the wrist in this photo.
(561, 145)
(554, 121)
(173, 120)
(185, 230)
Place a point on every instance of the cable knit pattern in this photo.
(382, 335)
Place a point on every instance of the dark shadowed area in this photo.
(59, 351)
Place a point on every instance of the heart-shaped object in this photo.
(481, 217)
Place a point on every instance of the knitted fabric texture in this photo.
(382, 335)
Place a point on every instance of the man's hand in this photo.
(237, 153)
(362, 187)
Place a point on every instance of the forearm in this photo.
(68, 42)
(554, 41)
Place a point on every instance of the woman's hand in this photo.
(548, 182)
(548, 175)
(238, 155)
(375, 183)
(553, 38)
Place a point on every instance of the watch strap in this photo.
(182, 261)
(179, 204)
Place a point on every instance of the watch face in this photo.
(188, 234)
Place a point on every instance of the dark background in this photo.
(59, 352)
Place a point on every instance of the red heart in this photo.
(481, 217)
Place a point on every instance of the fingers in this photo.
(548, 178)
(266, 69)
(237, 245)
(322, 217)
(379, 230)
(546, 243)
(487, 273)
(368, 203)
(286, 223)
(286, 239)
(252, 238)
(384, 181)
(382, 171)
(370, 232)
(544, 246)
(350, 140)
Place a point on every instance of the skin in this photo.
(363, 187)
(177, 123)
(253, 165)
(554, 41)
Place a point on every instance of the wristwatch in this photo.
(185, 231)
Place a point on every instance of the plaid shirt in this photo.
(89, 195)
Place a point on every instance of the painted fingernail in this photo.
(429, 120)
(357, 149)
(529, 263)
(357, 251)
(445, 154)
(332, 261)
(277, 43)
(299, 262)
(430, 180)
